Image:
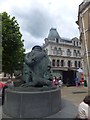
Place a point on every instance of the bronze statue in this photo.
(37, 69)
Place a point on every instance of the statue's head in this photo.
(37, 48)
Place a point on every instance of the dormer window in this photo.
(74, 43)
(77, 43)
(57, 40)
(46, 40)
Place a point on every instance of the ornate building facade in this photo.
(64, 54)
(84, 28)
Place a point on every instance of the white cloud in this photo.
(36, 17)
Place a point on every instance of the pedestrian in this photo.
(54, 81)
(60, 81)
(9, 84)
(76, 81)
(3, 93)
(1, 87)
(84, 109)
(85, 83)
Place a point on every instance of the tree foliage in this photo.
(12, 43)
(0, 43)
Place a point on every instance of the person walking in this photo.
(60, 81)
(54, 81)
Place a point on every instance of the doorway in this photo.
(69, 77)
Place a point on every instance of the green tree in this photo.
(0, 44)
(12, 43)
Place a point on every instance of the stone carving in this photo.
(37, 69)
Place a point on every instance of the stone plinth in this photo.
(32, 104)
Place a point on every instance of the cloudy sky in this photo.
(36, 17)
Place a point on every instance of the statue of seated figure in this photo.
(37, 69)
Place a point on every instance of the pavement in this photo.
(74, 94)
(70, 99)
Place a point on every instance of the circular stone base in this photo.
(37, 104)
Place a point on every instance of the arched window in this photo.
(69, 63)
(68, 52)
(79, 64)
(55, 50)
(74, 53)
(77, 43)
(59, 51)
(62, 63)
(57, 40)
(58, 62)
(78, 53)
(75, 64)
(53, 62)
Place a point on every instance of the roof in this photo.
(66, 40)
(53, 34)
(84, 5)
(86, 1)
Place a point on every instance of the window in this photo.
(55, 51)
(57, 40)
(74, 53)
(68, 52)
(53, 62)
(79, 64)
(77, 43)
(78, 53)
(75, 63)
(59, 51)
(74, 43)
(62, 63)
(69, 63)
(57, 62)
